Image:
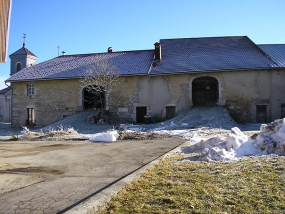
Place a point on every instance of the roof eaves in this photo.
(214, 71)
(65, 78)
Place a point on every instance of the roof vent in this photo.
(110, 49)
(63, 53)
(157, 51)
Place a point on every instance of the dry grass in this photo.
(141, 135)
(51, 135)
(251, 185)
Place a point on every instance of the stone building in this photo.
(178, 74)
(5, 105)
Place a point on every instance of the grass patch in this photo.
(51, 135)
(251, 185)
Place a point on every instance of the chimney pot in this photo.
(110, 49)
(157, 51)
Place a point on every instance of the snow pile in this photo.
(107, 137)
(272, 137)
(271, 140)
(201, 117)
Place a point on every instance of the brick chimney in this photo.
(157, 51)
(110, 49)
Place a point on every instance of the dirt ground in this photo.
(49, 176)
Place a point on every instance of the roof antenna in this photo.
(58, 47)
(24, 43)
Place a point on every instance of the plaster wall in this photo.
(5, 107)
(277, 92)
(239, 91)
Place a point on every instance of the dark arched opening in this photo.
(19, 66)
(93, 99)
(205, 91)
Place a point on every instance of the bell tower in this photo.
(22, 58)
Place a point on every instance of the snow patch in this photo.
(107, 137)
(271, 140)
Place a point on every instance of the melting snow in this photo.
(271, 140)
(102, 137)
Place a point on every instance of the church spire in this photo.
(24, 42)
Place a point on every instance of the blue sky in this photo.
(91, 26)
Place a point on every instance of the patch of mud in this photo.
(33, 170)
(24, 152)
(133, 135)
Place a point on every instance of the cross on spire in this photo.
(24, 37)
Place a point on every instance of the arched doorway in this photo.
(93, 99)
(205, 91)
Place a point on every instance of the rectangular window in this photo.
(261, 113)
(170, 112)
(30, 117)
(30, 89)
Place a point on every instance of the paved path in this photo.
(48, 177)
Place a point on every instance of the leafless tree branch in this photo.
(101, 76)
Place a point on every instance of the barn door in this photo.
(141, 112)
(205, 91)
(261, 113)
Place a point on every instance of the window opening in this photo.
(30, 117)
(170, 112)
(93, 99)
(140, 113)
(31, 89)
(205, 91)
(261, 113)
(19, 66)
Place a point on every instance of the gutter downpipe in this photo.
(11, 106)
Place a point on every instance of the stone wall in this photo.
(53, 100)
(240, 91)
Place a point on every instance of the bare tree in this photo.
(101, 77)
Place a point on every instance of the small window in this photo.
(170, 112)
(19, 66)
(30, 89)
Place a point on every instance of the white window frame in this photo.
(31, 89)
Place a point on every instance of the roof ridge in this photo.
(208, 37)
(25, 50)
(103, 53)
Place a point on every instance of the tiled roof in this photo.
(5, 90)
(23, 51)
(187, 55)
(276, 52)
(75, 66)
(209, 54)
